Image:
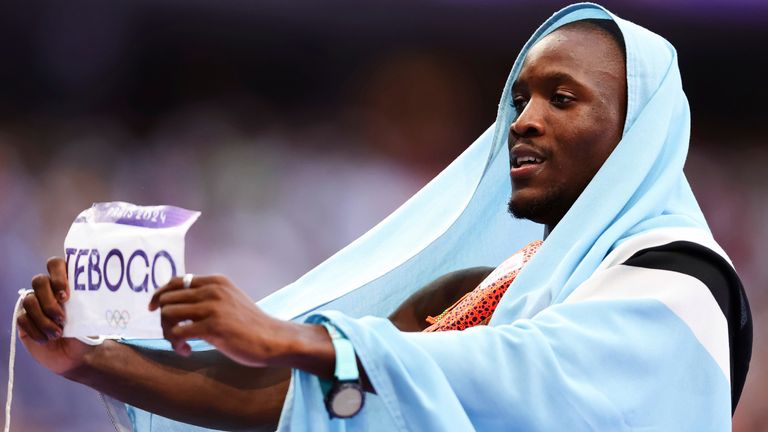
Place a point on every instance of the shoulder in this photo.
(663, 237)
(689, 272)
(649, 263)
(684, 265)
(695, 260)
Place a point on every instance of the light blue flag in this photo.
(545, 362)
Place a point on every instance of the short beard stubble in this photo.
(538, 210)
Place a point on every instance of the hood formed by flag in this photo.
(563, 350)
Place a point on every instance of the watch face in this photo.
(347, 401)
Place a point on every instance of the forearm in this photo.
(205, 388)
(436, 297)
(211, 390)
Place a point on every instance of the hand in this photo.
(215, 310)
(42, 322)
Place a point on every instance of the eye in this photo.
(519, 103)
(561, 99)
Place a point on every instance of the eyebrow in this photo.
(548, 76)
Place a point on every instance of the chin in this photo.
(523, 211)
(535, 208)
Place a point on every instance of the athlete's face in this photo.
(571, 99)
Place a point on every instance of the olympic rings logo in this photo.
(118, 318)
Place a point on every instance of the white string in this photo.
(12, 353)
(12, 358)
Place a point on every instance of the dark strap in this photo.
(719, 276)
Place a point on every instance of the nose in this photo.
(529, 122)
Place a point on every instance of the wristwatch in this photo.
(344, 396)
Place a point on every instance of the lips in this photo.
(526, 161)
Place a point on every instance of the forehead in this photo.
(581, 53)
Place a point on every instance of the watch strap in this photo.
(346, 362)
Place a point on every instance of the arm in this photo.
(205, 388)
(436, 297)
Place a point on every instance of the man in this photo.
(628, 316)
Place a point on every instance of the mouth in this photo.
(522, 161)
(525, 162)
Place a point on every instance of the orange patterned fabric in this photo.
(477, 306)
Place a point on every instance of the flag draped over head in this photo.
(544, 362)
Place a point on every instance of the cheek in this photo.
(584, 139)
(600, 135)
(585, 155)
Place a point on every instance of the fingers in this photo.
(45, 300)
(194, 330)
(179, 334)
(174, 284)
(182, 296)
(27, 327)
(182, 312)
(182, 348)
(181, 315)
(187, 313)
(35, 319)
(177, 284)
(57, 271)
(43, 317)
(179, 325)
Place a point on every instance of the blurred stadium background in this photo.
(296, 126)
